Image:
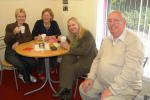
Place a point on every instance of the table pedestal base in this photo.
(48, 79)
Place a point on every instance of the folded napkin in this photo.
(53, 40)
(28, 48)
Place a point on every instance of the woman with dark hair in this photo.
(47, 26)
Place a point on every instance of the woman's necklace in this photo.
(47, 25)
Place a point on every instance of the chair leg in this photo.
(56, 71)
(76, 88)
(146, 97)
(1, 76)
(15, 79)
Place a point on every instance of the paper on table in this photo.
(46, 46)
(37, 48)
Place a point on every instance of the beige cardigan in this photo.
(119, 67)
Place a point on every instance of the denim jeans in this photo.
(24, 65)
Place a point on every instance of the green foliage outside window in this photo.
(131, 11)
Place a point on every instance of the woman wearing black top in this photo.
(49, 27)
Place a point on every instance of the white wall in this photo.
(84, 10)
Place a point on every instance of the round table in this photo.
(27, 49)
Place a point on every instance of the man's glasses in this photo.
(114, 20)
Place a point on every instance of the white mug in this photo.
(43, 36)
(63, 38)
(22, 29)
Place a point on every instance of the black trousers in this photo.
(24, 65)
(41, 64)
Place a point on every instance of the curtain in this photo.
(101, 25)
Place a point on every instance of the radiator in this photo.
(2, 46)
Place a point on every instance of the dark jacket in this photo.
(86, 50)
(40, 29)
(78, 61)
(11, 38)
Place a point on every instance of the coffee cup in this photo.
(63, 38)
(43, 36)
(22, 29)
(41, 45)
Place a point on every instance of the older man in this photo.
(116, 72)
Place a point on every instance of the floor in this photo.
(8, 90)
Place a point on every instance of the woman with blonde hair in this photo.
(82, 51)
(17, 33)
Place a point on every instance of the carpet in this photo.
(8, 89)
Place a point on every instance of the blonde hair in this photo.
(49, 11)
(19, 10)
(75, 20)
(81, 29)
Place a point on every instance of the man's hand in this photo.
(106, 93)
(87, 85)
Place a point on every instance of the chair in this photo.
(76, 87)
(144, 63)
(146, 97)
(4, 65)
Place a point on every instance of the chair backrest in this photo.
(0, 65)
(4, 65)
(145, 61)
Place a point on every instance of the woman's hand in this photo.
(87, 85)
(59, 37)
(52, 37)
(16, 30)
(15, 45)
(39, 37)
(65, 45)
(49, 38)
